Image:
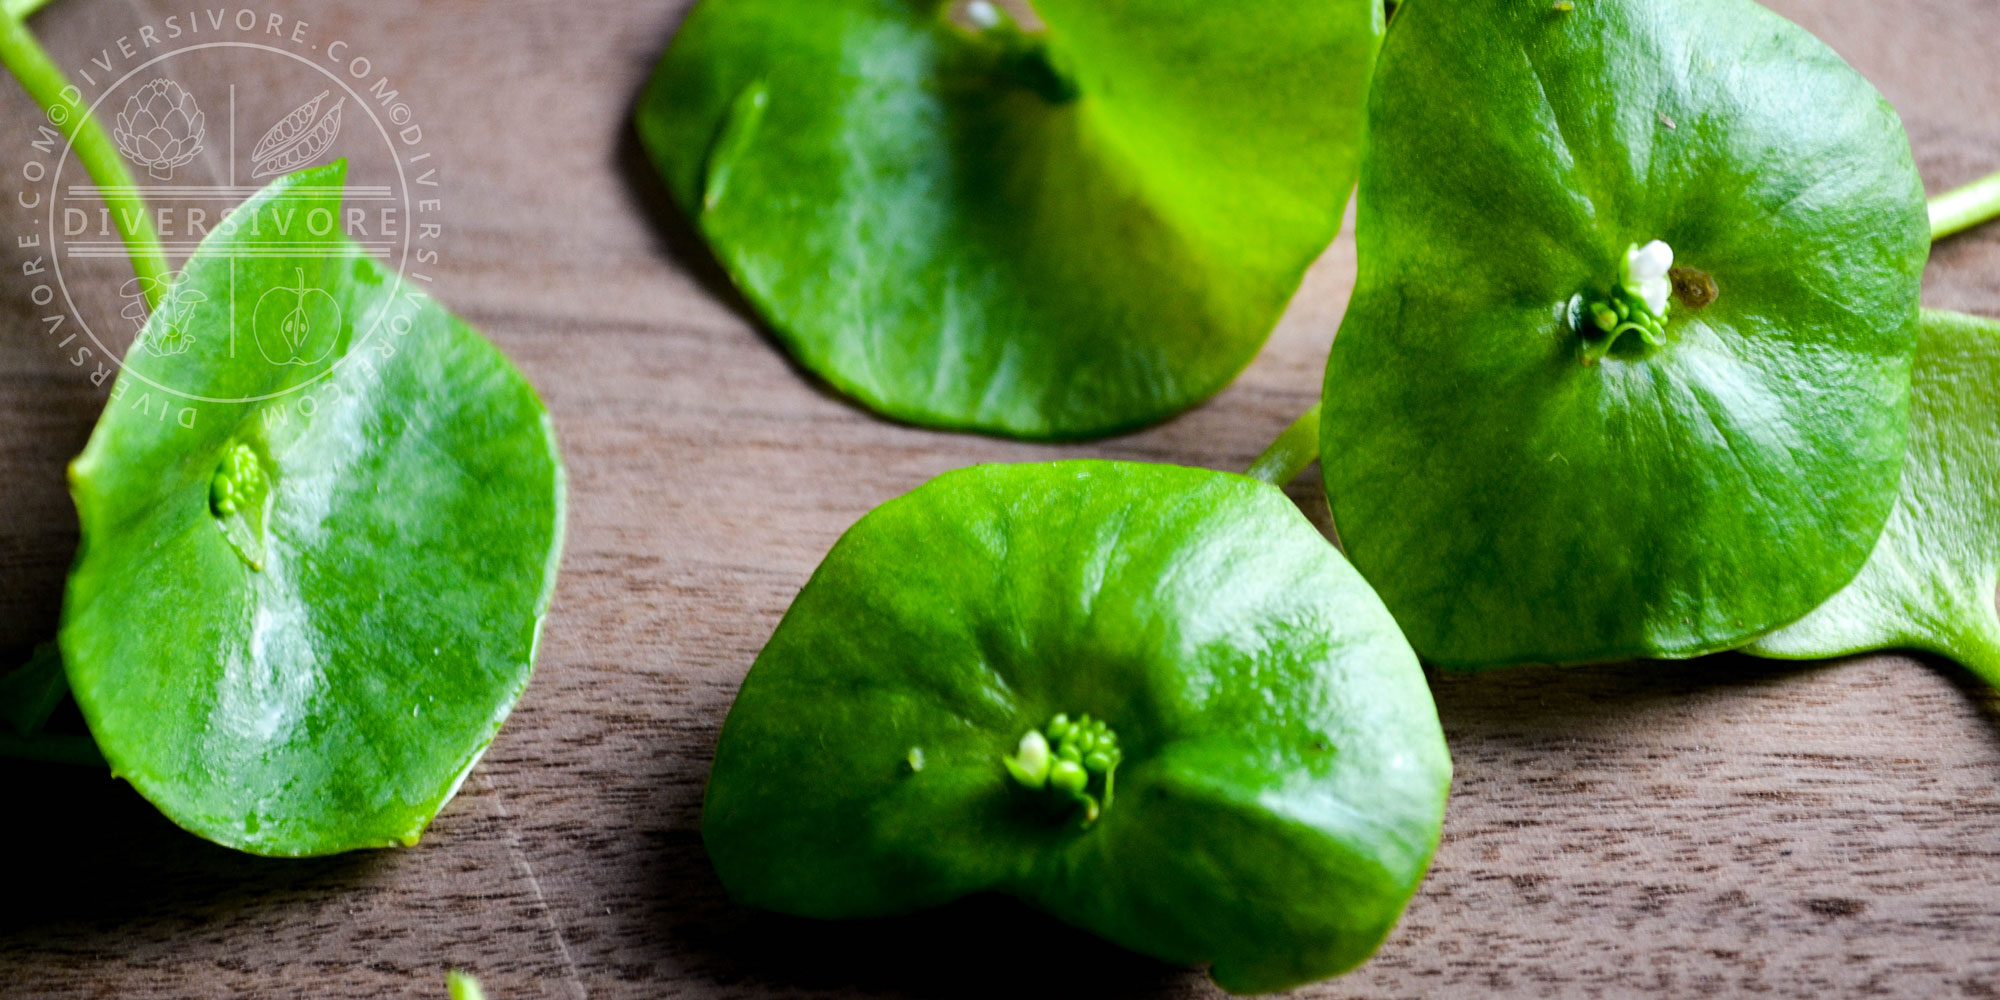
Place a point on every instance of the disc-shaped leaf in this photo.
(1514, 496)
(308, 593)
(1931, 582)
(1051, 233)
(1283, 775)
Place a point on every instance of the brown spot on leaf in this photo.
(1694, 289)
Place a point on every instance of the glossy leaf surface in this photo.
(308, 593)
(1283, 777)
(1931, 582)
(1053, 234)
(1512, 497)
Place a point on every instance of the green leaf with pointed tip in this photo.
(1049, 234)
(1282, 778)
(296, 622)
(1931, 582)
(1509, 499)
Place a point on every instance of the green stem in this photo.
(43, 79)
(1293, 451)
(1960, 209)
(76, 751)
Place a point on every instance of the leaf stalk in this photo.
(1960, 209)
(62, 103)
(1292, 453)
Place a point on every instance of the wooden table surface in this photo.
(1720, 828)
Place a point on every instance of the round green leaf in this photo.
(1283, 775)
(1931, 582)
(307, 594)
(1048, 234)
(1514, 497)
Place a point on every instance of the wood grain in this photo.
(1721, 828)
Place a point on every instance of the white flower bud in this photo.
(1033, 753)
(1653, 260)
(1655, 292)
(1646, 270)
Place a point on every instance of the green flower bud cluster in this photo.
(1638, 306)
(1067, 757)
(240, 484)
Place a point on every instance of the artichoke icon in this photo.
(160, 128)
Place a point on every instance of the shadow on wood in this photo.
(983, 947)
(100, 857)
(678, 238)
(1581, 700)
(690, 252)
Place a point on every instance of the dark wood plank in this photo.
(1720, 828)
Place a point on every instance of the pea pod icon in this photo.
(296, 324)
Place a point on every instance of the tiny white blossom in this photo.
(982, 14)
(1656, 291)
(1033, 753)
(1653, 260)
(1646, 268)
